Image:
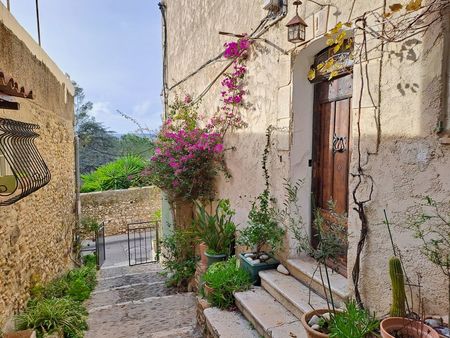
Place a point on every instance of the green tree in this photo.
(98, 145)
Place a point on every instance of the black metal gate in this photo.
(100, 247)
(143, 242)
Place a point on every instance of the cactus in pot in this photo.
(398, 308)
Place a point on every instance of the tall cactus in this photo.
(398, 288)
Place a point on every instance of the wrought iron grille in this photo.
(27, 171)
(143, 242)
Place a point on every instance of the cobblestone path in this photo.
(131, 302)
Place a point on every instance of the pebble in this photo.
(314, 320)
(433, 322)
(256, 261)
(251, 255)
(315, 327)
(326, 316)
(250, 259)
(282, 269)
(264, 257)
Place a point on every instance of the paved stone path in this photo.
(131, 302)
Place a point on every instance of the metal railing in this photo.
(100, 247)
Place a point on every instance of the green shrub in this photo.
(179, 258)
(353, 322)
(77, 285)
(90, 260)
(120, 174)
(225, 278)
(60, 315)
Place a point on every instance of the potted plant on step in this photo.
(216, 231)
(330, 237)
(263, 236)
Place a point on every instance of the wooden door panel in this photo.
(332, 109)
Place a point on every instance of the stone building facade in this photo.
(36, 231)
(117, 208)
(399, 107)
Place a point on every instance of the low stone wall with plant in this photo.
(117, 208)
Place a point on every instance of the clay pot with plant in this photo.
(331, 243)
(397, 325)
(216, 230)
(430, 223)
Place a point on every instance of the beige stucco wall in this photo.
(410, 162)
(36, 232)
(117, 208)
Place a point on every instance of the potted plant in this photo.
(222, 280)
(431, 225)
(216, 231)
(262, 233)
(331, 243)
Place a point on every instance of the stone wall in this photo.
(408, 160)
(117, 208)
(36, 232)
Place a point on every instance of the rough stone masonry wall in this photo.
(117, 208)
(36, 232)
(411, 161)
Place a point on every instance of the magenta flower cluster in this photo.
(186, 161)
(233, 87)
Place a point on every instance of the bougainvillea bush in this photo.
(189, 152)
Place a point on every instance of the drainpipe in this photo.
(165, 90)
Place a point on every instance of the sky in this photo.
(111, 48)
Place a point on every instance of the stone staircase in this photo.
(274, 309)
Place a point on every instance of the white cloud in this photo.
(105, 113)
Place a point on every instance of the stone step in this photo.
(228, 324)
(124, 269)
(128, 294)
(304, 269)
(269, 317)
(292, 294)
(130, 279)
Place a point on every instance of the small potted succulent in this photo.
(262, 233)
(216, 231)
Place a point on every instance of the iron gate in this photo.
(100, 248)
(143, 242)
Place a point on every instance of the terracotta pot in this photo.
(202, 247)
(21, 334)
(306, 318)
(407, 326)
(208, 290)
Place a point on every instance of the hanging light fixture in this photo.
(296, 27)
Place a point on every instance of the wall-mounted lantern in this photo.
(296, 27)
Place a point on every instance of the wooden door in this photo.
(331, 142)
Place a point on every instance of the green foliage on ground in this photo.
(123, 173)
(57, 307)
(47, 316)
(179, 258)
(225, 278)
(353, 322)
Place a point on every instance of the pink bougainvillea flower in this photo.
(218, 148)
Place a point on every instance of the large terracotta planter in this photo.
(407, 326)
(309, 331)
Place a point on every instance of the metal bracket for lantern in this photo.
(27, 169)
